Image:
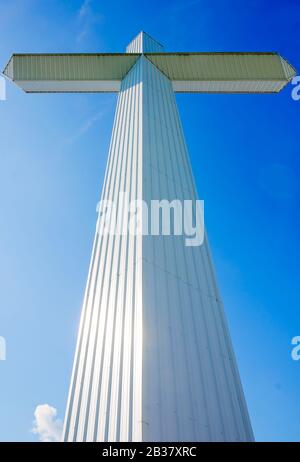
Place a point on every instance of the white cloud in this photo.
(46, 425)
(84, 128)
(88, 17)
(85, 9)
(84, 14)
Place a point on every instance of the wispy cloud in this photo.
(87, 18)
(46, 425)
(84, 9)
(84, 128)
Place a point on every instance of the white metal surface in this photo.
(189, 72)
(144, 43)
(154, 360)
(224, 72)
(105, 393)
(289, 70)
(227, 86)
(222, 66)
(69, 86)
(69, 66)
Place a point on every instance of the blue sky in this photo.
(245, 154)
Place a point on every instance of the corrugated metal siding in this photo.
(144, 43)
(227, 86)
(69, 86)
(105, 394)
(220, 66)
(72, 66)
(136, 45)
(8, 70)
(154, 360)
(191, 387)
(196, 72)
(289, 70)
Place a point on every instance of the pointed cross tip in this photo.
(8, 71)
(289, 70)
(154, 40)
(144, 33)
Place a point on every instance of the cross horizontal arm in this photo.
(224, 72)
(189, 72)
(101, 72)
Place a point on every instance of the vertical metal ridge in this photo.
(86, 375)
(67, 424)
(113, 291)
(213, 430)
(180, 194)
(66, 429)
(165, 341)
(86, 427)
(154, 359)
(144, 43)
(89, 342)
(195, 266)
(168, 242)
(245, 427)
(114, 376)
(108, 345)
(126, 265)
(188, 316)
(92, 429)
(225, 382)
(153, 336)
(103, 320)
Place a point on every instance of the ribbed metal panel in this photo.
(289, 70)
(70, 66)
(144, 43)
(8, 70)
(154, 360)
(105, 394)
(136, 45)
(227, 86)
(70, 86)
(195, 72)
(213, 67)
(191, 388)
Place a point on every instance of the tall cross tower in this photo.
(154, 359)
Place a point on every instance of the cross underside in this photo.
(154, 359)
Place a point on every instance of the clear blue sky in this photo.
(245, 153)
